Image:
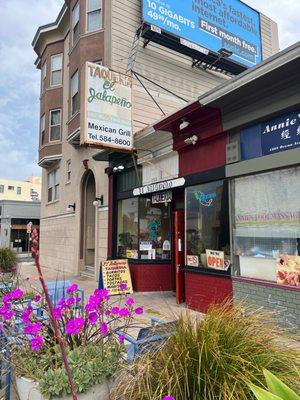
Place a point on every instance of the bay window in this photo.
(56, 70)
(74, 93)
(75, 23)
(42, 130)
(94, 15)
(55, 125)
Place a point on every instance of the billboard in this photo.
(213, 24)
(107, 108)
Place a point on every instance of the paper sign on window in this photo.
(216, 260)
(192, 261)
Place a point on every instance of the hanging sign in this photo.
(159, 186)
(115, 272)
(107, 108)
(216, 260)
(165, 197)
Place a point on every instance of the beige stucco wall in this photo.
(33, 182)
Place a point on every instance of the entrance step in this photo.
(88, 272)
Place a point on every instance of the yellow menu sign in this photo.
(115, 272)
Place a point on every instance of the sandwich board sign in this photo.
(113, 273)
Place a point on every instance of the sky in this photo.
(20, 81)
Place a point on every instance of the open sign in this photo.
(216, 260)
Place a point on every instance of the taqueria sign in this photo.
(108, 108)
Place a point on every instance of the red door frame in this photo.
(178, 259)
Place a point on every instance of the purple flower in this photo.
(62, 302)
(168, 398)
(121, 338)
(17, 294)
(123, 286)
(57, 313)
(36, 343)
(93, 317)
(115, 310)
(74, 326)
(14, 267)
(7, 298)
(33, 329)
(130, 301)
(37, 298)
(104, 328)
(7, 316)
(102, 293)
(70, 302)
(5, 308)
(72, 288)
(107, 313)
(124, 312)
(139, 311)
(25, 316)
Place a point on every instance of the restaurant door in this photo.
(178, 258)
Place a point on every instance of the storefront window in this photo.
(266, 218)
(155, 230)
(128, 228)
(144, 229)
(207, 222)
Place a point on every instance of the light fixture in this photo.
(224, 53)
(99, 201)
(184, 124)
(119, 168)
(71, 207)
(191, 140)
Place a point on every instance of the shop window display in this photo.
(144, 229)
(207, 222)
(266, 219)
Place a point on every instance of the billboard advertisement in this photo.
(108, 108)
(212, 24)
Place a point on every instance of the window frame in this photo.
(50, 126)
(73, 95)
(43, 76)
(2, 188)
(56, 70)
(11, 188)
(75, 39)
(91, 11)
(68, 171)
(19, 190)
(42, 129)
(54, 187)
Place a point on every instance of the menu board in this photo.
(115, 272)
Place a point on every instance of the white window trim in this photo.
(50, 111)
(43, 118)
(51, 70)
(43, 80)
(76, 5)
(53, 200)
(72, 94)
(87, 18)
(68, 165)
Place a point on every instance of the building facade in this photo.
(212, 211)
(75, 191)
(15, 190)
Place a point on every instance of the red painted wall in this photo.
(151, 277)
(204, 290)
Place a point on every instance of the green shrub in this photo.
(212, 359)
(8, 260)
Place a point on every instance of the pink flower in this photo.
(102, 293)
(139, 311)
(36, 343)
(57, 313)
(14, 267)
(25, 315)
(7, 298)
(104, 328)
(121, 338)
(17, 294)
(124, 312)
(74, 326)
(123, 286)
(72, 288)
(33, 329)
(93, 317)
(5, 308)
(168, 398)
(115, 310)
(107, 313)
(130, 301)
(37, 298)
(70, 302)
(7, 316)
(62, 302)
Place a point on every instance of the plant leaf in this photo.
(262, 394)
(277, 387)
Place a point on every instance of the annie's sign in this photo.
(108, 108)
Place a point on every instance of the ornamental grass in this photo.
(213, 358)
